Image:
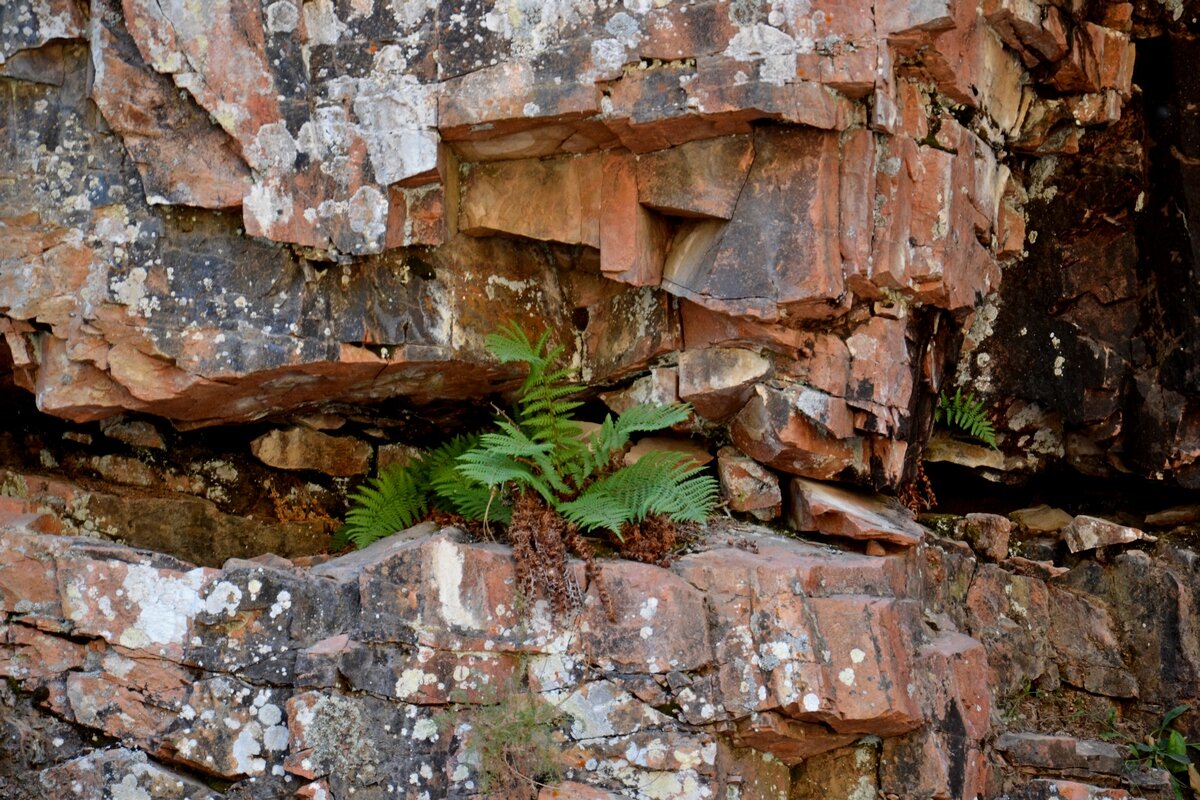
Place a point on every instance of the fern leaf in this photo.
(667, 483)
(494, 470)
(966, 414)
(454, 492)
(390, 502)
(510, 343)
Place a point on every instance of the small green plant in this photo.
(583, 478)
(541, 476)
(402, 494)
(1166, 748)
(965, 414)
(516, 745)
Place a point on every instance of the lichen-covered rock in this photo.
(373, 668)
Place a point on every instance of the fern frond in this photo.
(510, 343)
(614, 434)
(391, 502)
(454, 492)
(967, 414)
(495, 469)
(667, 483)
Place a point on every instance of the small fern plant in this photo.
(403, 494)
(965, 414)
(542, 449)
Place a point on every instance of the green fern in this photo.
(966, 414)
(452, 492)
(544, 450)
(394, 500)
(540, 449)
(666, 483)
(403, 494)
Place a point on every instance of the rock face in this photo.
(794, 216)
(282, 206)
(370, 669)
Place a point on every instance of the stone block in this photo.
(796, 261)
(719, 381)
(633, 241)
(1088, 533)
(1041, 518)
(300, 448)
(1061, 753)
(835, 511)
(699, 179)
(988, 534)
(799, 430)
(1085, 645)
(747, 485)
(555, 199)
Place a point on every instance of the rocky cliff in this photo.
(249, 253)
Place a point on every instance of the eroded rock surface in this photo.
(365, 671)
(282, 205)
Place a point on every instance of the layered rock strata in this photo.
(362, 676)
(222, 211)
(756, 665)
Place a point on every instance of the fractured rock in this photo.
(1089, 533)
(835, 511)
(719, 381)
(1041, 519)
(747, 485)
(300, 447)
(987, 533)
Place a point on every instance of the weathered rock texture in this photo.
(794, 216)
(220, 211)
(364, 672)
(770, 667)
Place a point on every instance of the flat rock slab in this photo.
(1061, 753)
(1089, 533)
(832, 510)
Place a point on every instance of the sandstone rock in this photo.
(116, 771)
(1051, 789)
(1041, 519)
(719, 381)
(182, 157)
(559, 199)
(926, 764)
(798, 269)
(136, 433)
(660, 387)
(798, 429)
(423, 619)
(1085, 645)
(839, 775)
(27, 653)
(1010, 614)
(28, 26)
(401, 454)
(700, 179)
(834, 511)
(159, 601)
(303, 448)
(1061, 753)
(987, 533)
(570, 790)
(632, 240)
(1089, 533)
(748, 486)
(1152, 604)
(1170, 517)
(691, 450)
